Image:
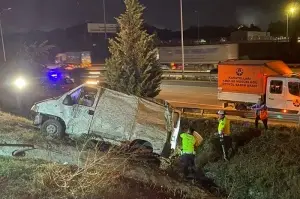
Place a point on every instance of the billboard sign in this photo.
(102, 28)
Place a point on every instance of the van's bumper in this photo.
(37, 120)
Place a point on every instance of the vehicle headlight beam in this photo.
(20, 83)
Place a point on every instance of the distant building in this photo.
(250, 36)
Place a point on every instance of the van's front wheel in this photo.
(53, 128)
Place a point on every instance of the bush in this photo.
(266, 166)
(15, 175)
(96, 178)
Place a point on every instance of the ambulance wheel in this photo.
(53, 128)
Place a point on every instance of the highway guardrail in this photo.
(96, 72)
(193, 75)
(295, 118)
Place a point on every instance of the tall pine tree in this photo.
(133, 67)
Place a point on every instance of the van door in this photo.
(84, 107)
(293, 94)
(275, 94)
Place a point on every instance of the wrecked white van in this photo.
(110, 116)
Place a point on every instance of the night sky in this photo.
(50, 14)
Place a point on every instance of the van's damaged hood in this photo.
(46, 105)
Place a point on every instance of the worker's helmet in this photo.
(221, 112)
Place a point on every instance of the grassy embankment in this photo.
(266, 164)
(104, 175)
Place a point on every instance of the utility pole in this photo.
(1, 32)
(2, 40)
(198, 24)
(182, 40)
(104, 18)
(290, 12)
(287, 27)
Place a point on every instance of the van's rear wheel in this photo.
(53, 128)
(140, 146)
(143, 152)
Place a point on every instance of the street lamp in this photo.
(182, 44)
(104, 17)
(198, 21)
(1, 32)
(290, 12)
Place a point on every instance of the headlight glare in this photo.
(20, 83)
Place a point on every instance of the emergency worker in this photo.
(261, 113)
(188, 151)
(224, 133)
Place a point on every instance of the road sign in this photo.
(102, 28)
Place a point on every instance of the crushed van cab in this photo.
(110, 116)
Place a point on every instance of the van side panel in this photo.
(151, 124)
(114, 116)
(119, 118)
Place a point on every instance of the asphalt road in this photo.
(192, 93)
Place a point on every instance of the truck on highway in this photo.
(110, 116)
(242, 83)
(71, 60)
(203, 57)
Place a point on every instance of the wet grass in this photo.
(266, 163)
(16, 177)
(103, 176)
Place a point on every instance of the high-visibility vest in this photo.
(224, 126)
(263, 114)
(188, 143)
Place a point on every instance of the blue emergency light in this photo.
(54, 75)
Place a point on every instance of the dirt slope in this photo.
(128, 177)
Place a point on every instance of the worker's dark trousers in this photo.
(227, 144)
(265, 122)
(188, 161)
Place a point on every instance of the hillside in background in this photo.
(77, 38)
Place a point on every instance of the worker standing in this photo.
(188, 151)
(224, 133)
(261, 113)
